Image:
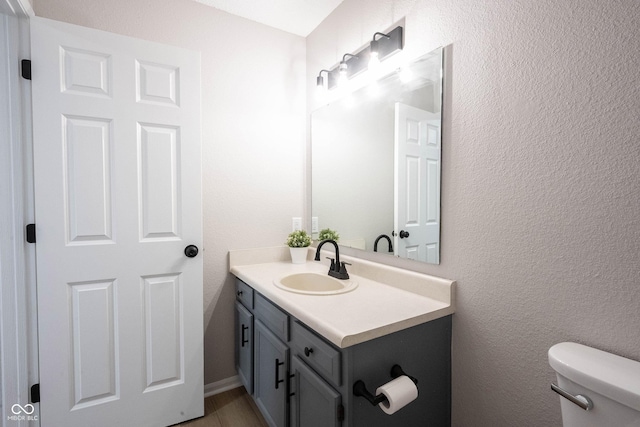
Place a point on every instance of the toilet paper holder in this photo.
(360, 389)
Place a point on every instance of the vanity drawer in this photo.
(244, 294)
(317, 353)
(275, 319)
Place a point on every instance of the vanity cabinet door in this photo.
(244, 346)
(271, 366)
(314, 403)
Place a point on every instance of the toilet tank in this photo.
(611, 382)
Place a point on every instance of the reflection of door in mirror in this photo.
(416, 184)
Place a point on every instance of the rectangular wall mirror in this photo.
(376, 163)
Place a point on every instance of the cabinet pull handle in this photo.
(244, 340)
(239, 293)
(278, 364)
(308, 351)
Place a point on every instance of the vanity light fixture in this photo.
(320, 79)
(381, 47)
(343, 64)
(343, 69)
(374, 59)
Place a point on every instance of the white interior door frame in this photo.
(18, 333)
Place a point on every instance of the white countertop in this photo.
(387, 299)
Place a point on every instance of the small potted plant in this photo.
(327, 233)
(298, 242)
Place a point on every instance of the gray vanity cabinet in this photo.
(302, 380)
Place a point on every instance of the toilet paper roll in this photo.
(399, 393)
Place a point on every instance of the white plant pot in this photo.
(299, 255)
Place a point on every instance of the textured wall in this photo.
(541, 183)
(253, 100)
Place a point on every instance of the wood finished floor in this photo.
(233, 408)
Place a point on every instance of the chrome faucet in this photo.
(338, 269)
(382, 236)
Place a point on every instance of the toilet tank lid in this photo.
(615, 377)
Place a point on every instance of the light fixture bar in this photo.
(387, 46)
(373, 45)
(391, 43)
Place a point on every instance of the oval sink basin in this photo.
(314, 284)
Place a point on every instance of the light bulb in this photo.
(343, 68)
(342, 79)
(374, 61)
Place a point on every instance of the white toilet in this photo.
(598, 389)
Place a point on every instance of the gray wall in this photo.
(541, 183)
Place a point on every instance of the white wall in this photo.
(541, 183)
(253, 101)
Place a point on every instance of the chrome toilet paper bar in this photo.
(582, 401)
(360, 389)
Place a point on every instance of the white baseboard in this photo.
(222, 385)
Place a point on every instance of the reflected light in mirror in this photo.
(373, 90)
(405, 74)
(374, 62)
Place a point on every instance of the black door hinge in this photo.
(35, 393)
(31, 233)
(340, 413)
(26, 69)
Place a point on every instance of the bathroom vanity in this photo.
(299, 355)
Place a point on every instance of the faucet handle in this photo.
(343, 269)
(333, 263)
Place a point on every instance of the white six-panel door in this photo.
(118, 198)
(417, 184)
